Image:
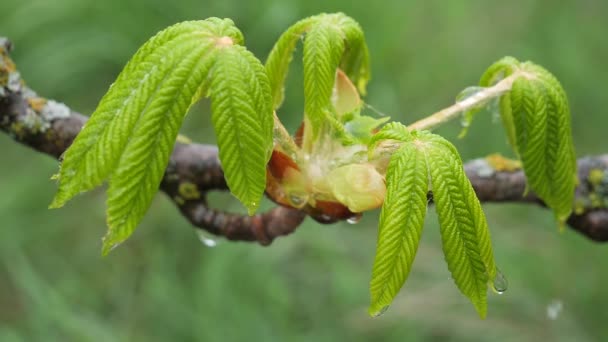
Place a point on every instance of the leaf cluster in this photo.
(130, 136)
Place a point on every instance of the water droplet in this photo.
(473, 108)
(465, 121)
(380, 312)
(298, 199)
(554, 309)
(500, 283)
(206, 238)
(354, 219)
(494, 108)
(468, 92)
(326, 218)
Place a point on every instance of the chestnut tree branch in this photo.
(194, 169)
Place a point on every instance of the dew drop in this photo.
(326, 218)
(554, 309)
(206, 238)
(468, 92)
(380, 312)
(465, 98)
(500, 283)
(354, 219)
(494, 108)
(298, 199)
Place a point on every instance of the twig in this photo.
(194, 170)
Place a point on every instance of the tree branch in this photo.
(194, 170)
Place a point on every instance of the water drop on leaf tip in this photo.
(380, 312)
(500, 283)
(205, 239)
(354, 219)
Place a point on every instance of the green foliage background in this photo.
(163, 284)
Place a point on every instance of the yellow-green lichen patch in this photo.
(595, 177)
(182, 139)
(579, 206)
(189, 191)
(501, 163)
(178, 200)
(7, 67)
(36, 103)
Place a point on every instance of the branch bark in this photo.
(49, 127)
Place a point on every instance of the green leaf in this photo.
(355, 61)
(98, 147)
(464, 230)
(277, 63)
(541, 118)
(242, 117)
(536, 117)
(498, 71)
(137, 176)
(401, 222)
(331, 41)
(132, 132)
(323, 48)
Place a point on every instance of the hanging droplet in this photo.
(380, 312)
(468, 92)
(467, 116)
(298, 199)
(494, 108)
(206, 238)
(500, 283)
(354, 219)
(554, 309)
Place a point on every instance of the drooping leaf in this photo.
(331, 41)
(137, 176)
(98, 147)
(464, 230)
(132, 132)
(323, 48)
(400, 227)
(544, 140)
(242, 117)
(536, 117)
(277, 63)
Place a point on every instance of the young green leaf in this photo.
(132, 132)
(243, 122)
(137, 176)
(331, 41)
(401, 222)
(353, 50)
(98, 147)
(536, 116)
(277, 63)
(464, 230)
(544, 140)
(323, 48)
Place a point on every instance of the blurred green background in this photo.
(164, 285)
